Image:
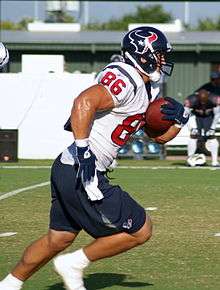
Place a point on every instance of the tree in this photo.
(149, 14)
(209, 24)
(57, 16)
(60, 16)
(7, 25)
(21, 25)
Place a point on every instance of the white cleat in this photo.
(72, 275)
(216, 164)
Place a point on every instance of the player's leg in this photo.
(71, 266)
(37, 255)
(192, 146)
(63, 230)
(212, 145)
(118, 224)
(113, 245)
(192, 143)
(42, 251)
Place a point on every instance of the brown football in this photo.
(155, 125)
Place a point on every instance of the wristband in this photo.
(179, 126)
(82, 142)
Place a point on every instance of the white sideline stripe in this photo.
(14, 192)
(119, 167)
(25, 167)
(167, 167)
(151, 208)
(217, 235)
(9, 234)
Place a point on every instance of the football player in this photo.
(102, 119)
(4, 55)
(214, 85)
(205, 110)
(116, 58)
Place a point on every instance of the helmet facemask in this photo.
(165, 66)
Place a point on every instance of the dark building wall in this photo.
(84, 61)
(192, 69)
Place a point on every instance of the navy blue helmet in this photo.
(147, 48)
(4, 55)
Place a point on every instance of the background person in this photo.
(214, 85)
(205, 113)
(117, 58)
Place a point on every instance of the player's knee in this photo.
(194, 133)
(145, 233)
(58, 241)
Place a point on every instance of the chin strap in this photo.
(155, 76)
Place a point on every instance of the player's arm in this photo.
(95, 98)
(167, 136)
(189, 102)
(216, 112)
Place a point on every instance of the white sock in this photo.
(78, 259)
(70, 267)
(192, 145)
(212, 145)
(12, 282)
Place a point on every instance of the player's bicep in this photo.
(96, 97)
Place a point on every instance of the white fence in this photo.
(38, 106)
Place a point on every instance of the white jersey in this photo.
(111, 129)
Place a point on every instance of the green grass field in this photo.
(182, 254)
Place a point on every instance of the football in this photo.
(155, 125)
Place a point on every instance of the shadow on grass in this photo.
(179, 163)
(103, 280)
(176, 163)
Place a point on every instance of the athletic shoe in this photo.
(72, 275)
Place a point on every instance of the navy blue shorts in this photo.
(71, 210)
(204, 123)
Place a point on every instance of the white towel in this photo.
(91, 188)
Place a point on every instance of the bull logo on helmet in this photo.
(141, 43)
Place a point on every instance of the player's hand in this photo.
(210, 133)
(208, 111)
(86, 161)
(199, 112)
(174, 111)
